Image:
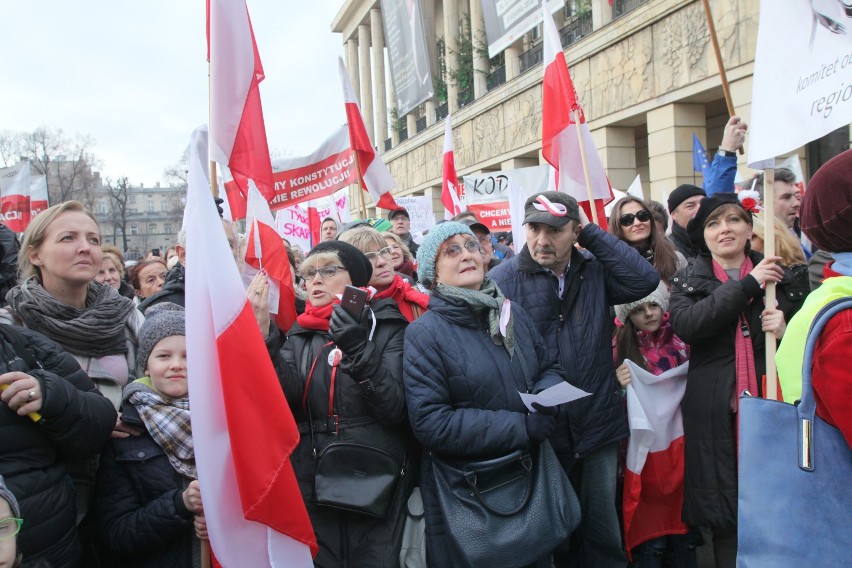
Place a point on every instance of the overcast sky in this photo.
(133, 75)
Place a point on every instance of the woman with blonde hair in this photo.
(401, 257)
(112, 271)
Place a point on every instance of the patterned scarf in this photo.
(167, 420)
(662, 349)
(405, 297)
(488, 299)
(316, 318)
(96, 330)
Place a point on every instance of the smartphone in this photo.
(155, 252)
(353, 301)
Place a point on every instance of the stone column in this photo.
(601, 13)
(411, 123)
(352, 66)
(513, 62)
(438, 208)
(427, 8)
(480, 61)
(394, 133)
(366, 99)
(617, 148)
(451, 46)
(378, 37)
(670, 129)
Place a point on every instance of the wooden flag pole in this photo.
(769, 250)
(726, 88)
(592, 207)
(360, 185)
(214, 185)
(205, 554)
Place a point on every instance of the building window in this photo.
(167, 228)
(132, 200)
(152, 228)
(163, 206)
(134, 229)
(150, 207)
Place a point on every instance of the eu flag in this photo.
(700, 162)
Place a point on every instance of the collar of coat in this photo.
(526, 263)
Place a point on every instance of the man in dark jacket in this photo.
(568, 293)
(8, 261)
(683, 205)
(402, 228)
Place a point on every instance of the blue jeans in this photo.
(597, 543)
(650, 553)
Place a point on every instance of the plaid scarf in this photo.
(167, 420)
(488, 299)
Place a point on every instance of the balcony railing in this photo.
(621, 7)
(421, 124)
(441, 112)
(531, 57)
(465, 97)
(576, 29)
(496, 78)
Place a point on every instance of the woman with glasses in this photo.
(632, 222)
(10, 524)
(342, 376)
(401, 257)
(466, 359)
(388, 284)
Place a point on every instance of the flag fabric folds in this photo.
(376, 179)
(15, 196)
(700, 161)
(450, 185)
(237, 131)
(653, 478)
(243, 430)
(38, 195)
(560, 141)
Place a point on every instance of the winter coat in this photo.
(9, 248)
(139, 505)
(173, 290)
(577, 329)
(680, 239)
(77, 423)
(461, 390)
(370, 404)
(704, 313)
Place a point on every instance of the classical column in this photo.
(394, 132)
(428, 11)
(352, 66)
(438, 209)
(451, 47)
(670, 129)
(601, 13)
(617, 149)
(480, 61)
(366, 99)
(411, 123)
(378, 37)
(512, 55)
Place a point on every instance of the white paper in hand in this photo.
(553, 396)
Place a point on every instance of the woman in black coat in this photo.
(717, 306)
(332, 359)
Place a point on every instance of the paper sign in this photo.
(553, 396)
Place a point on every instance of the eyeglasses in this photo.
(386, 253)
(10, 527)
(484, 239)
(627, 219)
(326, 272)
(455, 249)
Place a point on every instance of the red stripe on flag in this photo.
(274, 259)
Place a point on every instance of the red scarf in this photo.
(405, 297)
(408, 269)
(746, 376)
(316, 318)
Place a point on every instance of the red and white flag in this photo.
(450, 186)
(375, 176)
(265, 250)
(237, 131)
(653, 478)
(38, 195)
(15, 196)
(560, 143)
(243, 430)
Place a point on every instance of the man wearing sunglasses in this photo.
(568, 293)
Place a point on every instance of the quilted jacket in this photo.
(139, 503)
(576, 328)
(77, 423)
(462, 393)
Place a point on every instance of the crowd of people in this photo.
(422, 385)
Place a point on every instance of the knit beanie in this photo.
(428, 251)
(7, 495)
(826, 216)
(161, 321)
(682, 193)
(660, 296)
(359, 267)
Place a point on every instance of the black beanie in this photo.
(695, 228)
(682, 193)
(359, 267)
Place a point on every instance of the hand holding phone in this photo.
(353, 301)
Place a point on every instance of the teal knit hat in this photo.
(428, 251)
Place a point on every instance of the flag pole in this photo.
(360, 185)
(769, 250)
(592, 207)
(726, 88)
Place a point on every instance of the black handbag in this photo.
(509, 511)
(348, 476)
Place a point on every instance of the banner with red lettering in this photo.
(15, 196)
(293, 223)
(38, 195)
(489, 194)
(494, 215)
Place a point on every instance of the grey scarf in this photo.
(96, 330)
(488, 298)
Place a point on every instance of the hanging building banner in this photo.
(507, 20)
(497, 198)
(408, 55)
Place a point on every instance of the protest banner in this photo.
(504, 193)
(507, 20)
(408, 55)
(38, 195)
(15, 196)
(293, 223)
(419, 211)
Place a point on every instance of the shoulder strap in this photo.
(21, 345)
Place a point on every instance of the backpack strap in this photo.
(21, 345)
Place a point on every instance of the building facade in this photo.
(152, 221)
(644, 70)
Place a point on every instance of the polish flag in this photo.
(450, 186)
(38, 195)
(653, 478)
(15, 196)
(237, 131)
(314, 223)
(375, 177)
(560, 142)
(243, 430)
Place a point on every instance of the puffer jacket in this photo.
(77, 423)
(577, 328)
(370, 404)
(9, 248)
(462, 394)
(704, 313)
(139, 506)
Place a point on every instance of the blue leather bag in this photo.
(795, 478)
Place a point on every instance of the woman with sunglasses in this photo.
(466, 359)
(342, 376)
(632, 222)
(388, 284)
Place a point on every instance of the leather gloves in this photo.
(349, 335)
(542, 423)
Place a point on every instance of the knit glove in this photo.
(542, 423)
(349, 335)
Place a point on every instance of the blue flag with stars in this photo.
(700, 162)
